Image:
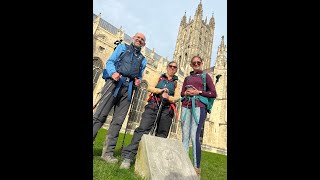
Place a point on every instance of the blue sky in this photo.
(159, 20)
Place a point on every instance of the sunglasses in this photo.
(196, 63)
(170, 66)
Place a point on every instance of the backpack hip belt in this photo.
(120, 82)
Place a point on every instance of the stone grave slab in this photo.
(163, 159)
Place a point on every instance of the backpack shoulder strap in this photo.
(127, 51)
(142, 56)
(160, 78)
(175, 84)
(204, 81)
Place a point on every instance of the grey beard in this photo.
(137, 49)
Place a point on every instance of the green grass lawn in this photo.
(213, 166)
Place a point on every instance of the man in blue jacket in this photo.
(124, 70)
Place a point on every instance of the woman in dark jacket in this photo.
(193, 111)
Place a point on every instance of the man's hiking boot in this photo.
(110, 159)
(126, 163)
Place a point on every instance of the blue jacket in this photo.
(110, 67)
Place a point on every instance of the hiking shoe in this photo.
(110, 159)
(198, 171)
(126, 163)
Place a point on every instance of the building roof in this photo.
(109, 27)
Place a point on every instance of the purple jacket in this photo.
(196, 81)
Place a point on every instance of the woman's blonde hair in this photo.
(196, 57)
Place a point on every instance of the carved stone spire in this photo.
(183, 20)
(199, 11)
(221, 54)
(96, 23)
(211, 23)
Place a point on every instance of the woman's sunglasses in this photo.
(196, 63)
(170, 66)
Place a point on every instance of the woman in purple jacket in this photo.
(194, 112)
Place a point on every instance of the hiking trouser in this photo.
(121, 106)
(191, 130)
(104, 107)
(147, 121)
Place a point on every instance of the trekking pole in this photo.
(170, 128)
(130, 115)
(94, 106)
(155, 124)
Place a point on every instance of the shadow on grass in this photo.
(98, 152)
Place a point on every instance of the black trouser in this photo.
(120, 105)
(146, 124)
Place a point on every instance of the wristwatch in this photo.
(200, 92)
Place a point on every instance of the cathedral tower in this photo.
(215, 130)
(195, 38)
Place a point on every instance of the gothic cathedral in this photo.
(195, 37)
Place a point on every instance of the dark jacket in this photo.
(195, 79)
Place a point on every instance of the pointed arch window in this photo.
(175, 122)
(217, 78)
(138, 105)
(97, 70)
(185, 59)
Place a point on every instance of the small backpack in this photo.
(207, 101)
(163, 78)
(127, 68)
(210, 100)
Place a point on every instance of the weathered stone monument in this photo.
(163, 159)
